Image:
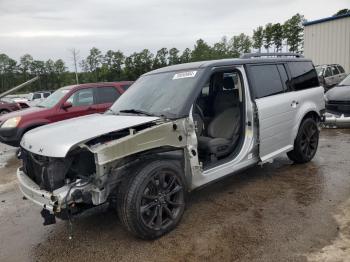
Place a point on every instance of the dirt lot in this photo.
(278, 212)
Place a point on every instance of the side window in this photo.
(335, 70)
(341, 69)
(266, 80)
(107, 94)
(46, 94)
(83, 97)
(303, 75)
(37, 96)
(328, 72)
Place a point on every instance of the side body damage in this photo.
(91, 172)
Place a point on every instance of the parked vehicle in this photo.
(176, 129)
(39, 95)
(9, 106)
(67, 102)
(330, 75)
(338, 104)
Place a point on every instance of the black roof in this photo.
(223, 62)
(326, 19)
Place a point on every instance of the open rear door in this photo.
(276, 117)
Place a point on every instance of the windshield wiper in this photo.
(137, 111)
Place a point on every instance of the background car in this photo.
(330, 75)
(338, 98)
(9, 106)
(67, 102)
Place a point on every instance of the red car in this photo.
(7, 107)
(67, 102)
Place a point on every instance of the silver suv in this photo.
(176, 129)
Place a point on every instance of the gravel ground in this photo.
(277, 212)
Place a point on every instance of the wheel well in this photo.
(313, 115)
(136, 161)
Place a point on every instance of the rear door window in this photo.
(266, 80)
(106, 94)
(37, 96)
(303, 75)
(335, 70)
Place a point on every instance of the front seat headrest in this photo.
(229, 84)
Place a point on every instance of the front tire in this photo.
(306, 142)
(152, 201)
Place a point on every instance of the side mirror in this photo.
(66, 105)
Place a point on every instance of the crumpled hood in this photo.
(339, 93)
(56, 140)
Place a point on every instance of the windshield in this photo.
(163, 94)
(346, 81)
(53, 99)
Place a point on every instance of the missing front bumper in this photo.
(32, 191)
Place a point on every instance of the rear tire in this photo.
(151, 202)
(306, 142)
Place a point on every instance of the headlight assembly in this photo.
(11, 122)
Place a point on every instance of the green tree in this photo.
(173, 57)
(59, 69)
(258, 38)
(268, 36)
(294, 33)
(138, 64)
(112, 65)
(342, 12)
(186, 56)
(277, 36)
(161, 59)
(221, 49)
(92, 63)
(202, 51)
(239, 45)
(25, 63)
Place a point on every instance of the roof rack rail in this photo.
(253, 55)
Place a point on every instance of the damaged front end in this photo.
(59, 185)
(91, 171)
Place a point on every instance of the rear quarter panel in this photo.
(310, 100)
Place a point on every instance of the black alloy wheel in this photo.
(162, 200)
(151, 201)
(306, 142)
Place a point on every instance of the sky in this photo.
(51, 28)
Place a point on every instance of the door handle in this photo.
(294, 104)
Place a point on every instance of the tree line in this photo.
(116, 66)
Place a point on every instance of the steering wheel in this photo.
(198, 119)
